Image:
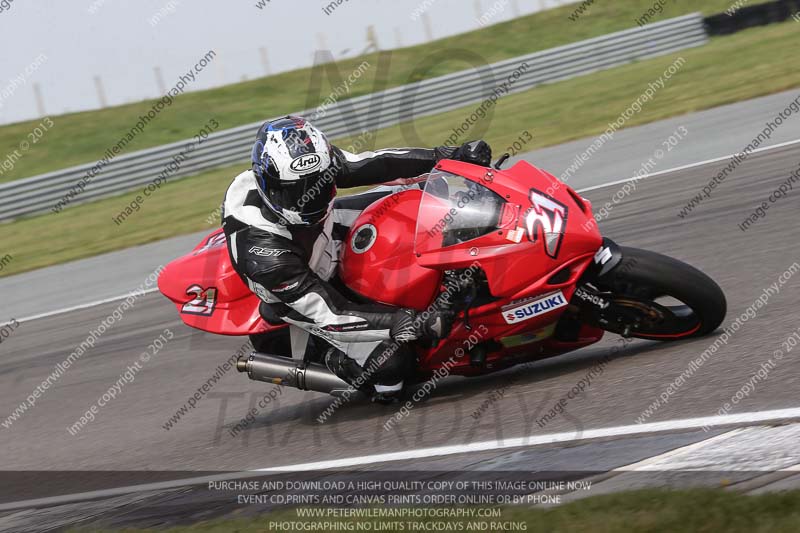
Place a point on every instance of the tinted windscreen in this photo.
(454, 210)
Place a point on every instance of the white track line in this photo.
(587, 189)
(690, 165)
(82, 306)
(757, 417)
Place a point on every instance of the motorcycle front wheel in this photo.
(662, 298)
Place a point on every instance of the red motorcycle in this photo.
(515, 253)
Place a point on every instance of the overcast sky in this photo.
(63, 45)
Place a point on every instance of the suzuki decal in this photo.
(528, 310)
(603, 255)
(548, 217)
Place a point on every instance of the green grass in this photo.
(83, 137)
(729, 69)
(642, 511)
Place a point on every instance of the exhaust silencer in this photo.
(290, 373)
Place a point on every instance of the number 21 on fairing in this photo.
(204, 302)
(551, 217)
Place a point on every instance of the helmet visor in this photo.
(310, 196)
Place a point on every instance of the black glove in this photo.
(475, 152)
(410, 326)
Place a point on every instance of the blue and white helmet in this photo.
(295, 170)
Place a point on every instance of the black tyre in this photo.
(663, 298)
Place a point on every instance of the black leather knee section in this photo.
(273, 342)
(270, 314)
(390, 363)
(343, 366)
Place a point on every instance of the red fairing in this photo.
(209, 294)
(378, 257)
(544, 240)
(534, 197)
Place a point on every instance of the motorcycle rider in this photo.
(284, 233)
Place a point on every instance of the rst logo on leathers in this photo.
(306, 163)
(267, 252)
(530, 309)
(546, 220)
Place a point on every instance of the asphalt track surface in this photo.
(128, 433)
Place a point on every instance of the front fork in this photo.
(595, 307)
